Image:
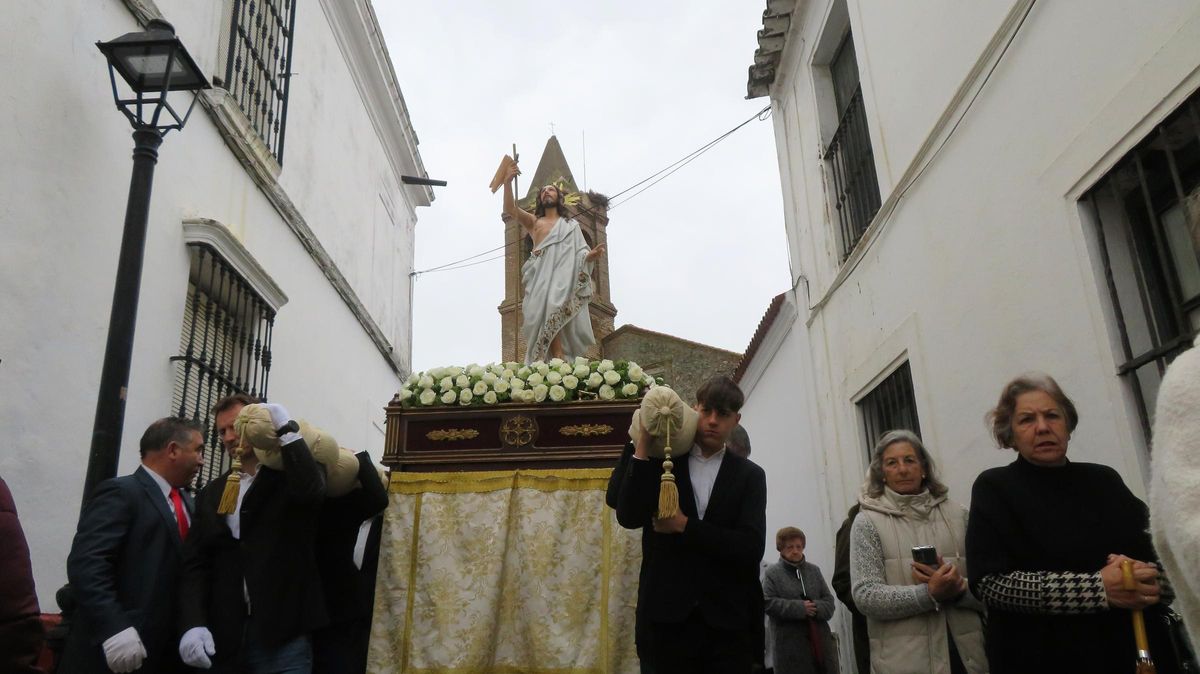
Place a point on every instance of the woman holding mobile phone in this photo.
(921, 617)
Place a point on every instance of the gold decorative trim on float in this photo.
(475, 482)
(518, 431)
(452, 434)
(586, 430)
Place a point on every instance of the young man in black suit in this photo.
(251, 595)
(126, 559)
(701, 570)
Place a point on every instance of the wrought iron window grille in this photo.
(890, 406)
(852, 169)
(225, 348)
(258, 65)
(1147, 216)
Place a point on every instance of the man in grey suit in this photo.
(127, 555)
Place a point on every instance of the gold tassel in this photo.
(668, 493)
(229, 497)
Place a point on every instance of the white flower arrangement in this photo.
(555, 381)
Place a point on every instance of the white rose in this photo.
(539, 392)
(523, 371)
(464, 396)
(462, 381)
(534, 379)
(611, 377)
(490, 397)
(581, 371)
(449, 397)
(629, 390)
(542, 369)
(635, 372)
(405, 394)
(501, 386)
(595, 379)
(428, 396)
(508, 373)
(555, 362)
(496, 369)
(557, 393)
(553, 377)
(475, 371)
(425, 382)
(480, 388)
(517, 384)
(605, 365)
(607, 392)
(436, 373)
(580, 361)
(527, 396)
(454, 371)
(412, 379)
(489, 378)
(565, 368)
(570, 382)
(446, 384)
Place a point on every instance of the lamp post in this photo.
(152, 63)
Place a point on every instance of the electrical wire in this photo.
(656, 177)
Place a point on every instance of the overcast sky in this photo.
(699, 255)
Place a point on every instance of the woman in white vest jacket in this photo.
(922, 619)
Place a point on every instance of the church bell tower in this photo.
(590, 210)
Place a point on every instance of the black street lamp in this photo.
(152, 64)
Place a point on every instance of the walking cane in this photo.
(1144, 664)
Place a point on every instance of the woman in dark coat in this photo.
(1045, 540)
(799, 604)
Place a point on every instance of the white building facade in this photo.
(279, 247)
(971, 191)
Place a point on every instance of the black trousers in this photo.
(695, 647)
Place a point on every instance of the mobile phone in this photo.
(925, 554)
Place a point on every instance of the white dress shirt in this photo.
(703, 473)
(166, 490)
(234, 520)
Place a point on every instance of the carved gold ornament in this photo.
(452, 434)
(518, 431)
(587, 430)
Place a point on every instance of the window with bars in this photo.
(258, 65)
(890, 406)
(851, 161)
(1147, 212)
(224, 348)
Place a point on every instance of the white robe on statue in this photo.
(558, 286)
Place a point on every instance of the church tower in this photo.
(590, 210)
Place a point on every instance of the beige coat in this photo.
(908, 631)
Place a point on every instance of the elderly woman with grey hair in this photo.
(1046, 541)
(921, 617)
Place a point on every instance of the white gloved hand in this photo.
(279, 415)
(196, 646)
(124, 651)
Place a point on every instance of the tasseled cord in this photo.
(229, 497)
(668, 493)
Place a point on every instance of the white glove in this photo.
(196, 646)
(124, 651)
(279, 415)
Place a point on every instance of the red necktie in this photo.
(180, 515)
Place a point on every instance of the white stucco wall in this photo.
(986, 268)
(62, 204)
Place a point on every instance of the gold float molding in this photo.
(452, 434)
(587, 430)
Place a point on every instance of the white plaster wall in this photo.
(62, 203)
(983, 270)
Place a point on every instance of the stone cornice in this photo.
(358, 35)
(217, 236)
